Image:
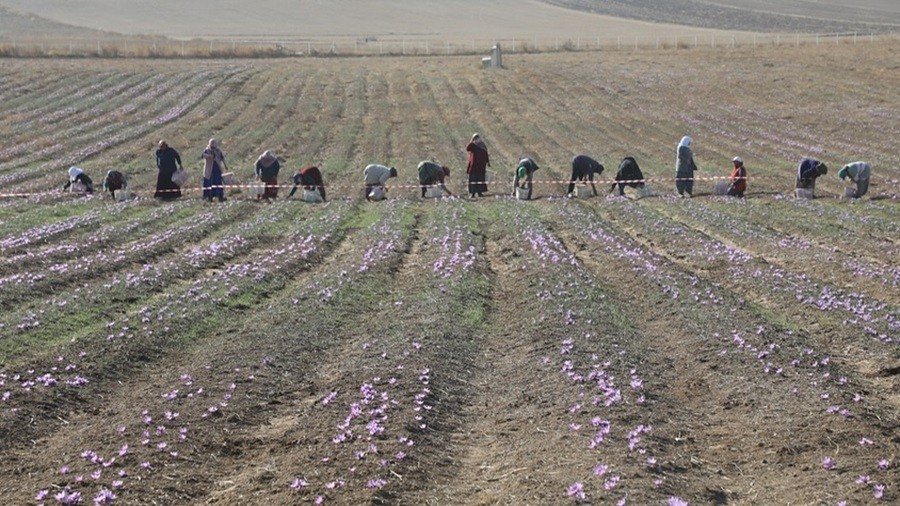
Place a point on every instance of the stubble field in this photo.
(608, 350)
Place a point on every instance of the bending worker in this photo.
(431, 174)
(808, 171)
(859, 173)
(584, 168)
(310, 178)
(77, 176)
(114, 181)
(630, 173)
(738, 178)
(524, 176)
(376, 177)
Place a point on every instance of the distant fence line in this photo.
(133, 47)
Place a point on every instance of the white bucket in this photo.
(803, 193)
(721, 188)
(583, 191)
(489, 176)
(434, 192)
(228, 179)
(638, 193)
(849, 193)
(122, 195)
(523, 193)
(256, 190)
(311, 196)
(179, 177)
(78, 188)
(377, 193)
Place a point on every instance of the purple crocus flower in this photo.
(828, 464)
(677, 501)
(576, 490)
(105, 496)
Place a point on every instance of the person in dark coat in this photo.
(167, 161)
(808, 171)
(114, 181)
(267, 168)
(77, 175)
(584, 168)
(431, 173)
(479, 161)
(628, 171)
(310, 178)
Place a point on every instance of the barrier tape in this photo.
(415, 186)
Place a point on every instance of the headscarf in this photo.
(267, 159)
(213, 144)
(478, 141)
(685, 141)
(74, 172)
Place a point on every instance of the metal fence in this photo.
(134, 47)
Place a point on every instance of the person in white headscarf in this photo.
(685, 167)
(78, 176)
(213, 167)
(267, 168)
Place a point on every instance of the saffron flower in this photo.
(376, 483)
(677, 501)
(298, 483)
(105, 496)
(878, 491)
(576, 490)
(883, 464)
(828, 464)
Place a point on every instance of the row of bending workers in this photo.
(432, 174)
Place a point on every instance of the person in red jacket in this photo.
(738, 178)
(310, 178)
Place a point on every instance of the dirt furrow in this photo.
(739, 410)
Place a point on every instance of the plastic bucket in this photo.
(311, 196)
(803, 193)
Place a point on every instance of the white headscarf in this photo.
(267, 159)
(685, 141)
(74, 172)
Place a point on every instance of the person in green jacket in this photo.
(859, 173)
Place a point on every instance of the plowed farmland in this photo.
(610, 350)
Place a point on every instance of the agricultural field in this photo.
(492, 351)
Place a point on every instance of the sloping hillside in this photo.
(755, 15)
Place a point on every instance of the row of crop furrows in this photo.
(798, 284)
(199, 406)
(104, 327)
(581, 403)
(809, 381)
(103, 120)
(640, 126)
(842, 250)
(106, 258)
(385, 391)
